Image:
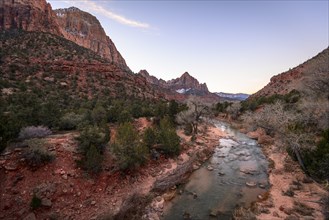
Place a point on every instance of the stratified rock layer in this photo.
(78, 26)
(85, 30)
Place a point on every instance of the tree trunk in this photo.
(300, 160)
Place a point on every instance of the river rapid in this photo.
(235, 175)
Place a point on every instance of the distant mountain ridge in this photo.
(85, 30)
(180, 87)
(233, 96)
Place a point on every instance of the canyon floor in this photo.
(67, 192)
(292, 195)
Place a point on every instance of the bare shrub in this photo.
(242, 213)
(303, 209)
(192, 117)
(34, 132)
(234, 110)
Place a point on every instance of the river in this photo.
(213, 194)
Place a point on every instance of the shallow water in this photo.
(237, 160)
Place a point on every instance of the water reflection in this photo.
(214, 194)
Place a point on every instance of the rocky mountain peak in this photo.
(144, 73)
(186, 81)
(185, 75)
(181, 87)
(72, 23)
(151, 79)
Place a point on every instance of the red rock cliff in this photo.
(78, 26)
(85, 30)
(29, 15)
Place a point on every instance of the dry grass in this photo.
(303, 209)
(242, 213)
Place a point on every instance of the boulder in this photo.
(46, 203)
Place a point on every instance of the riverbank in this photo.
(292, 195)
(67, 192)
(194, 154)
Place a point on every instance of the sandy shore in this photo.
(292, 194)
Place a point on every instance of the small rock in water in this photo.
(213, 213)
(262, 186)
(186, 215)
(251, 184)
(221, 173)
(210, 168)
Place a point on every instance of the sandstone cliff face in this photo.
(85, 30)
(80, 27)
(29, 15)
(298, 78)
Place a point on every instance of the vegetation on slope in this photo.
(42, 86)
(299, 120)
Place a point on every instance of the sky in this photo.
(233, 46)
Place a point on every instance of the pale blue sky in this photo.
(233, 46)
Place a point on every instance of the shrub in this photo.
(93, 136)
(127, 148)
(35, 202)
(168, 139)
(98, 115)
(149, 137)
(317, 160)
(93, 160)
(92, 142)
(36, 154)
(34, 132)
(70, 121)
(124, 116)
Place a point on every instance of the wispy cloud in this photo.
(92, 6)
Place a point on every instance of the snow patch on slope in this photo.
(183, 91)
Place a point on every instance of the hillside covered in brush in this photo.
(294, 108)
(43, 76)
